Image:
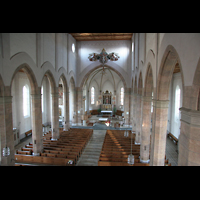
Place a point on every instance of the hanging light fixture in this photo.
(126, 133)
(103, 57)
(131, 156)
(6, 151)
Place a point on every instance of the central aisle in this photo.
(91, 153)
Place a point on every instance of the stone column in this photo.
(37, 124)
(6, 130)
(127, 106)
(78, 103)
(138, 120)
(87, 98)
(159, 130)
(189, 139)
(66, 111)
(131, 107)
(145, 133)
(55, 116)
(134, 112)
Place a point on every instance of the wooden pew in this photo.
(23, 152)
(116, 149)
(28, 133)
(173, 138)
(61, 152)
(105, 163)
(43, 160)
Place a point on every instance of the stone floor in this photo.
(171, 152)
(23, 142)
(91, 153)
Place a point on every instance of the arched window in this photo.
(92, 95)
(177, 102)
(26, 101)
(73, 47)
(122, 96)
(42, 99)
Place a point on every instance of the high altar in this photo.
(107, 101)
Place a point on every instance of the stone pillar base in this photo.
(137, 142)
(145, 161)
(54, 139)
(36, 154)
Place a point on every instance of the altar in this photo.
(106, 112)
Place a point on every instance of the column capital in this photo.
(6, 99)
(160, 103)
(191, 117)
(147, 98)
(36, 96)
(55, 94)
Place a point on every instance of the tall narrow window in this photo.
(26, 101)
(42, 99)
(92, 95)
(177, 102)
(122, 96)
(73, 47)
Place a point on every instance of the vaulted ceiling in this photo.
(101, 76)
(101, 36)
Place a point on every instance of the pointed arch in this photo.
(135, 85)
(51, 79)
(1, 86)
(168, 62)
(140, 86)
(64, 80)
(196, 89)
(100, 66)
(31, 76)
(148, 87)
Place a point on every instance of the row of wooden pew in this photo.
(64, 151)
(117, 147)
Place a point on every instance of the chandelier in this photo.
(103, 57)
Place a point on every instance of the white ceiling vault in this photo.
(101, 77)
